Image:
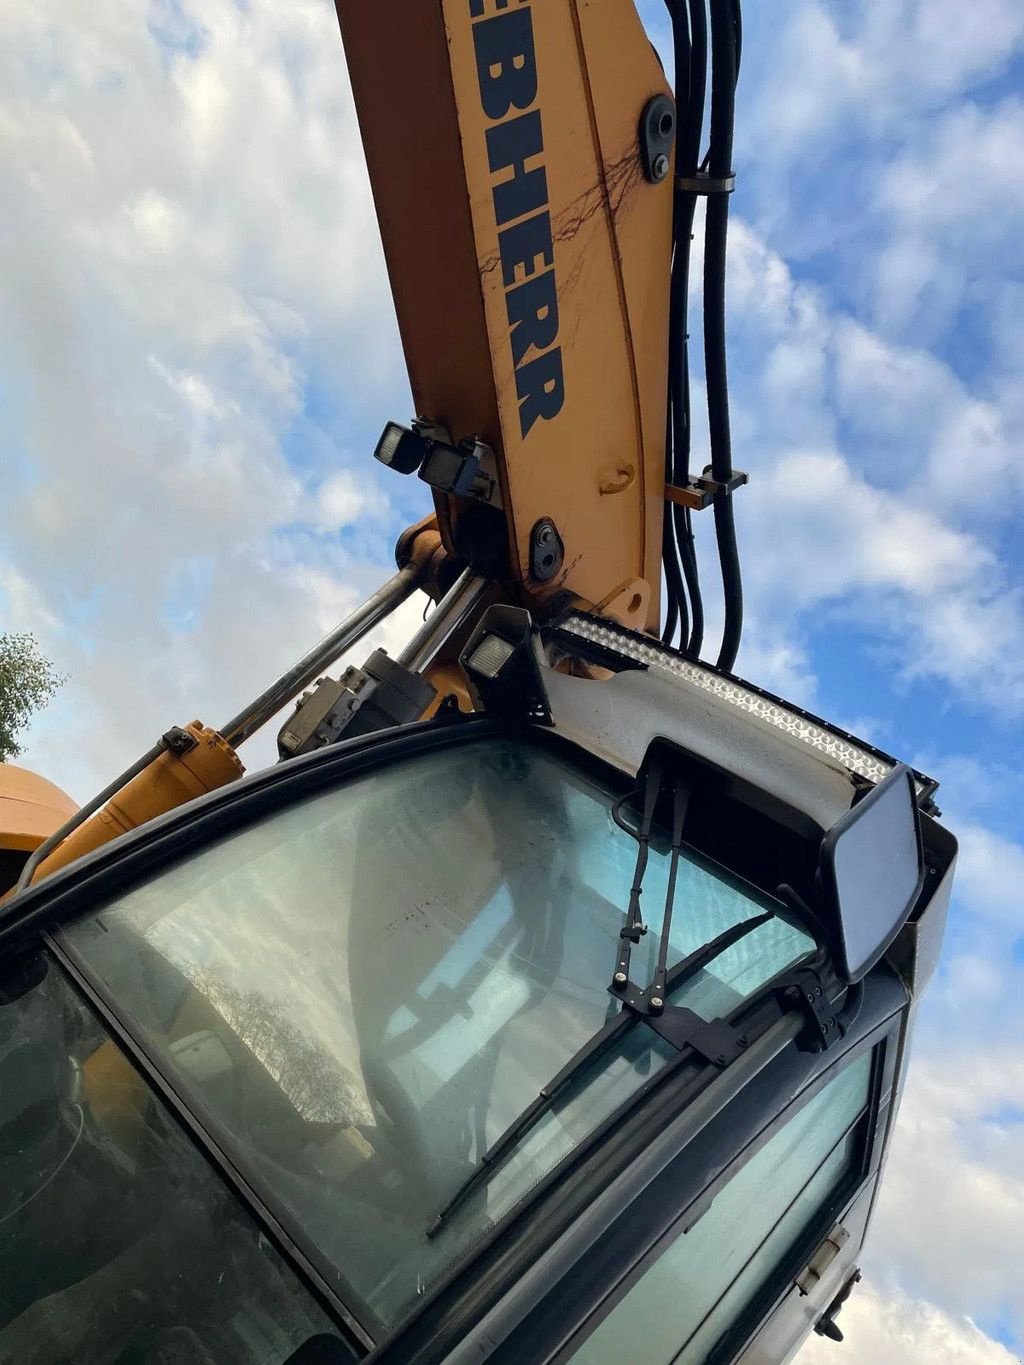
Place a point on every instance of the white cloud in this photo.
(925, 51)
(967, 173)
(876, 63)
(865, 538)
(828, 524)
(990, 873)
(951, 200)
(950, 1218)
(883, 1329)
(822, 72)
(916, 420)
(25, 609)
(343, 499)
(877, 140)
(189, 245)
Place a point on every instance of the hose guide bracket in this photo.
(702, 490)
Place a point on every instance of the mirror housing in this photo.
(872, 872)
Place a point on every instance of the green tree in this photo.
(27, 681)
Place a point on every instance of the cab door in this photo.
(807, 1298)
(804, 1294)
(710, 1264)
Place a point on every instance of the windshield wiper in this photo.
(677, 1025)
(591, 1051)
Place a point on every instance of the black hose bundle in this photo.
(685, 611)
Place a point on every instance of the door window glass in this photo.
(711, 1274)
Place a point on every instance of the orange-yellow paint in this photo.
(168, 782)
(414, 73)
(31, 808)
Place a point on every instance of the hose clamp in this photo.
(702, 183)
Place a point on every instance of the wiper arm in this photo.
(634, 928)
(680, 801)
(633, 1010)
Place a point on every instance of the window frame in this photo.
(131, 858)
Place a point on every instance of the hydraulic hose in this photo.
(689, 31)
(688, 554)
(675, 610)
(723, 86)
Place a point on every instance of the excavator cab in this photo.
(516, 1036)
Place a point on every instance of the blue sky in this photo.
(198, 350)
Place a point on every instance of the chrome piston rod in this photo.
(451, 613)
(288, 686)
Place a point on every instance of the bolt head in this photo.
(620, 978)
(657, 1002)
(659, 166)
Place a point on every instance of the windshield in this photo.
(365, 989)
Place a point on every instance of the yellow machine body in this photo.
(529, 259)
(168, 782)
(31, 809)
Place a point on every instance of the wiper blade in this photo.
(633, 1011)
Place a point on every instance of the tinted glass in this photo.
(368, 987)
(709, 1275)
(118, 1243)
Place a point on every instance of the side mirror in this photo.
(872, 870)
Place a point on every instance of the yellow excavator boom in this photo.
(519, 159)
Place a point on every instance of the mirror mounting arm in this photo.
(805, 990)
